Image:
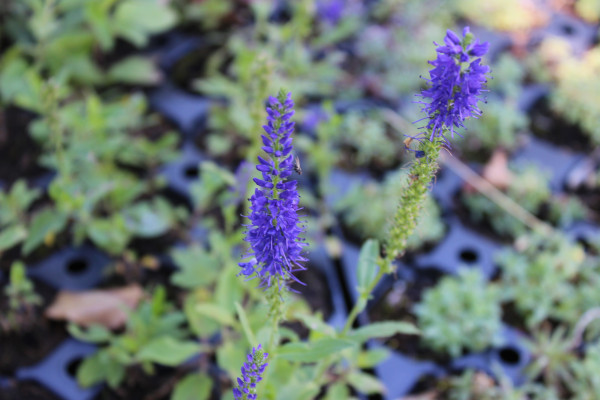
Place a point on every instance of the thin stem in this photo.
(587, 318)
(362, 300)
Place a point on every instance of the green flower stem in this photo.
(405, 220)
(276, 302)
(361, 303)
(421, 174)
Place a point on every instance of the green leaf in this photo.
(230, 288)
(44, 225)
(197, 268)
(370, 358)
(147, 220)
(115, 373)
(199, 324)
(299, 391)
(215, 312)
(195, 386)
(231, 356)
(313, 351)
(135, 70)
(91, 371)
(365, 383)
(367, 264)
(382, 329)
(135, 20)
(245, 324)
(96, 13)
(94, 333)
(14, 204)
(337, 391)
(12, 236)
(168, 351)
(315, 324)
(109, 234)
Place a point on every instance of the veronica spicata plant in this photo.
(274, 231)
(456, 85)
(251, 374)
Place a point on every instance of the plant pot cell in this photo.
(55, 372)
(461, 247)
(76, 268)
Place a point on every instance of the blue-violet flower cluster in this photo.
(251, 375)
(274, 230)
(457, 82)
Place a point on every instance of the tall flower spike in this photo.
(273, 233)
(457, 82)
(251, 375)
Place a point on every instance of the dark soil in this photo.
(26, 390)
(547, 125)
(141, 386)
(18, 151)
(316, 292)
(37, 338)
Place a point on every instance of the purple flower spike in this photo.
(274, 230)
(251, 374)
(456, 84)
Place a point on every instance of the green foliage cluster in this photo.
(22, 301)
(503, 15)
(576, 93)
(390, 54)
(499, 126)
(373, 221)
(586, 382)
(367, 136)
(551, 279)
(153, 335)
(59, 38)
(529, 187)
(460, 313)
(556, 361)
(477, 386)
(95, 146)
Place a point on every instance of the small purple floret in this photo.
(251, 374)
(274, 230)
(456, 84)
(330, 10)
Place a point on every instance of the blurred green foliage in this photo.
(22, 301)
(153, 336)
(366, 209)
(460, 313)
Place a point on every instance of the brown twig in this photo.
(587, 318)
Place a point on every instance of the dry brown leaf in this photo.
(496, 170)
(482, 382)
(105, 307)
